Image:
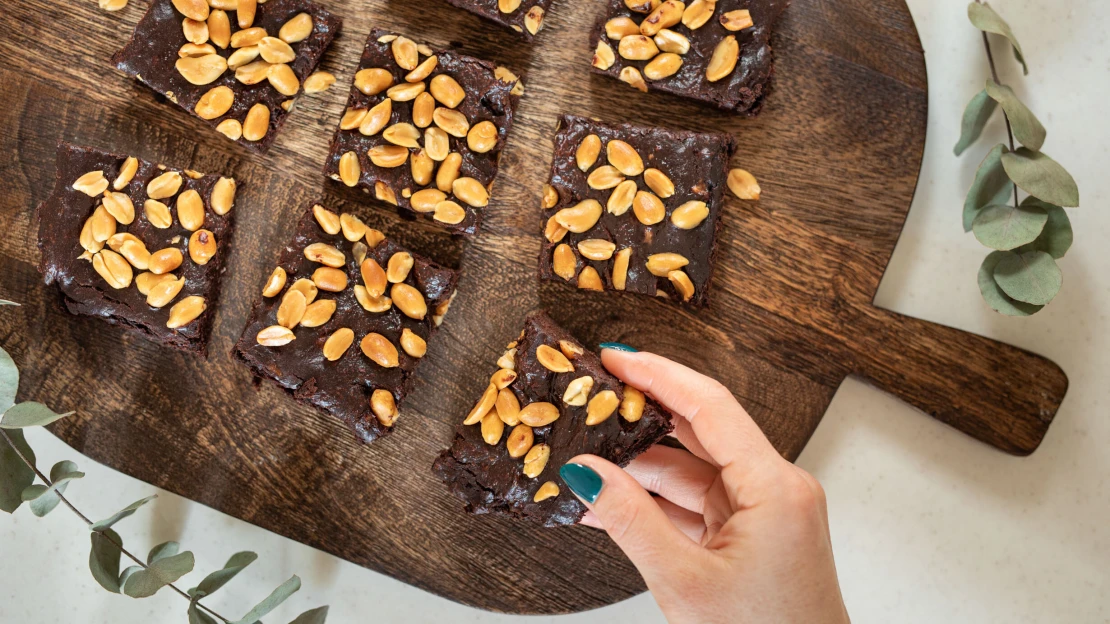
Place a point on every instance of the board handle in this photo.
(994, 392)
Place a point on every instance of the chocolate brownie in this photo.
(634, 208)
(550, 400)
(424, 129)
(344, 319)
(714, 51)
(112, 244)
(525, 17)
(239, 70)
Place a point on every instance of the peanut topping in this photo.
(737, 20)
(353, 228)
(621, 198)
(275, 336)
(186, 311)
(535, 460)
(147, 280)
(553, 360)
(119, 206)
(196, 32)
(325, 254)
(743, 184)
(405, 53)
(632, 76)
(446, 90)
(437, 145)
(157, 213)
(384, 407)
(580, 217)
(449, 212)
(274, 50)
(620, 27)
(665, 15)
(452, 121)
(503, 378)
(539, 414)
(601, 407)
(373, 81)
(298, 28)
(328, 220)
(329, 279)
(201, 70)
(319, 82)
(403, 134)
(520, 440)
(422, 167)
(163, 186)
(245, 11)
(349, 169)
(318, 312)
(116, 241)
(379, 349)
(578, 391)
(589, 279)
(690, 215)
(682, 284)
(723, 60)
(508, 6)
(202, 246)
(257, 123)
(448, 171)
(292, 308)
(306, 288)
(624, 157)
(377, 305)
(165, 260)
(398, 267)
(164, 290)
(423, 70)
(409, 301)
(649, 209)
(388, 156)
(637, 48)
(671, 41)
(102, 225)
(373, 277)
(223, 196)
(274, 283)
(484, 405)
(661, 264)
(126, 173)
(604, 57)
(508, 359)
(564, 263)
(492, 428)
(190, 210)
(596, 248)
(230, 128)
(533, 20)
(470, 191)
(570, 349)
(663, 66)
(373, 237)
(412, 344)
(588, 151)
(482, 137)
(697, 13)
(604, 177)
(246, 71)
(113, 268)
(194, 9)
(426, 200)
(550, 196)
(338, 343)
(423, 107)
(283, 79)
(112, 5)
(405, 92)
(632, 406)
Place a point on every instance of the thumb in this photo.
(629, 515)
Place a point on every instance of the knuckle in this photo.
(799, 495)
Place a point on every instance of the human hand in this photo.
(736, 533)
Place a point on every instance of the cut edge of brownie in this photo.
(494, 16)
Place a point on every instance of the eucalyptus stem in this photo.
(994, 76)
(88, 522)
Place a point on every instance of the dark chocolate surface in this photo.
(62, 215)
(487, 99)
(488, 480)
(514, 21)
(153, 49)
(343, 387)
(744, 90)
(697, 163)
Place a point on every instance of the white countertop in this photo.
(927, 524)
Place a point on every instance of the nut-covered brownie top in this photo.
(634, 208)
(525, 17)
(236, 63)
(345, 318)
(549, 401)
(715, 51)
(138, 244)
(423, 130)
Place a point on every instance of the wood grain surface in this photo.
(837, 150)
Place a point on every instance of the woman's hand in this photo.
(737, 533)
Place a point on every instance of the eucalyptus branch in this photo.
(994, 76)
(89, 523)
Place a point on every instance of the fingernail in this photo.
(582, 480)
(617, 346)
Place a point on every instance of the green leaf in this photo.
(271, 602)
(976, 115)
(44, 499)
(161, 551)
(121, 514)
(1056, 237)
(312, 616)
(9, 381)
(15, 475)
(1005, 227)
(1027, 128)
(162, 572)
(29, 414)
(127, 574)
(219, 578)
(1032, 277)
(994, 296)
(991, 186)
(196, 616)
(104, 559)
(1040, 176)
(984, 18)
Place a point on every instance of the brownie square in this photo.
(344, 320)
(426, 140)
(717, 52)
(550, 401)
(137, 244)
(242, 78)
(525, 17)
(642, 204)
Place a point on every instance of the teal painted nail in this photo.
(581, 480)
(617, 346)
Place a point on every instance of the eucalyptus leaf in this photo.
(1032, 277)
(1027, 128)
(219, 578)
(1040, 176)
(991, 186)
(162, 572)
(984, 18)
(29, 414)
(104, 559)
(161, 551)
(312, 616)
(196, 616)
(1005, 227)
(272, 601)
(15, 474)
(976, 116)
(127, 574)
(44, 499)
(9, 381)
(992, 293)
(1057, 235)
(121, 514)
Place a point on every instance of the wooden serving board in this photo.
(837, 151)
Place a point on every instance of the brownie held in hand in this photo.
(713, 51)
(424, 129)
(550, 400)
(634, 208)
(238, 64)
(344, 320)
(116, 249)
